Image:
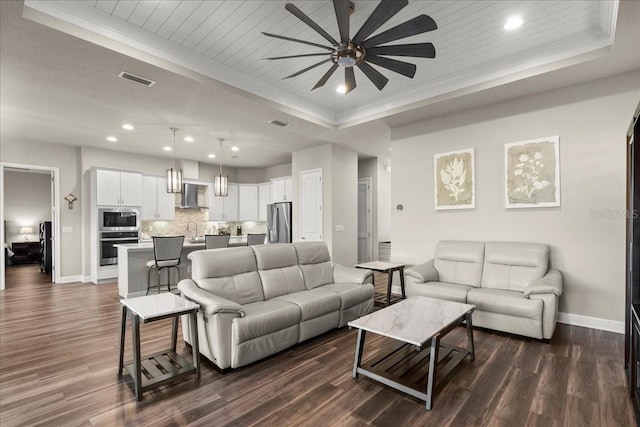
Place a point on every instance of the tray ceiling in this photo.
(222, 40)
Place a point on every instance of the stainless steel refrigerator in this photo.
(279, 222)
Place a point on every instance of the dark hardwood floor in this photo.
(59, 358)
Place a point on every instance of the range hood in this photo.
(190, 197)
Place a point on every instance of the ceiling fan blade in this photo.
(326, 76)
(297, 41)
(420, 50)
(349, 80)
(307, 69)
(299, 56)
(304, 18)
(385, 10)
(418, 25)
(400, 67)
(374, 75)
(342, 14)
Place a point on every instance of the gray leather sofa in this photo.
(509, 283)
(259, 300)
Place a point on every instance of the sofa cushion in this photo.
(351, 294)
(459, 262)
(263, 318)
(275, 255)
(313, 303)
(230, 273)
(315, 263)
(512, 303)
(440, 290)
(281, 281)
(512, 265)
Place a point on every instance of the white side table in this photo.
(167, 365)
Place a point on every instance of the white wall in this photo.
(27, 202)
(344, 205)
(591, 120)
(277, 171)
(384, 200)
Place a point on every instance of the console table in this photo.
(167, 365)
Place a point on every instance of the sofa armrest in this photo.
(343, 274)
(551, 283)
(209, 303)
(424, 272)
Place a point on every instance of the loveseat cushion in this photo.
(313, 303)
(315, 263)
(439, 290)
(459, 262)
(230, 273)
(511, 303)
(350, 293)
(513, 265)
(263, 318)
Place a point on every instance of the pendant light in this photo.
(174, 176)
(220, 187)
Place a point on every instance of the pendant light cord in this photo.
(220, 139)
(174, 147)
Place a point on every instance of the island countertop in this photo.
(145, 245)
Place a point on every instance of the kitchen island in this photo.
(133, 258)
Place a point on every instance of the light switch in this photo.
(67, 229)
(339, 227)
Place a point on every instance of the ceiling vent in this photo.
(279, 123)
(137, 79)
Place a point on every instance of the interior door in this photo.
(311, 205)
(365, 248)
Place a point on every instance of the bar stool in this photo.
(256, 239)
(167, 252)
(214, 241)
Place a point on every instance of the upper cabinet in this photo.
(264, 198)
(281, 190)
(248, 202)
(224, 208)
(114, 188)
(157, 204)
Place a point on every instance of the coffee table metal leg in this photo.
(136, 357)
(433, 363)
(195, 349)
(359, 347)
(472, 352)
(123, 328)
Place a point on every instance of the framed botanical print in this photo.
(532, 173)
(454, 180)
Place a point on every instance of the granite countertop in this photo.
(143, 245)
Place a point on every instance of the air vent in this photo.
(137, 79)
(279, 123)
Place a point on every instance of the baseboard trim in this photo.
(70, 279)
(575, 319)
(591, 322)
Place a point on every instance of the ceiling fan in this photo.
(360, 50)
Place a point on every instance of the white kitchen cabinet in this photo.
(281, 190)
(264, 198)
(157, 204)
(248, 202)
(224, 208)
(114, 188)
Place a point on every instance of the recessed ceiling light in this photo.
(112, 139)
(513, 22)
(188, 138)
(235, 149)
(166, 148)
(128, 126)
(211, 156)
(341, 89)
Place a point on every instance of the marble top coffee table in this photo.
(419, 323)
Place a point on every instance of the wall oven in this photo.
(117, 226)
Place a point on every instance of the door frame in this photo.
(319, 170)
(369, 182)
(55, 210)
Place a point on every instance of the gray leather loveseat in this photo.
(509, 283)
(259, 300)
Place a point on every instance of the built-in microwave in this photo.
(119, 219)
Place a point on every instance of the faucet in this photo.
(196, 224)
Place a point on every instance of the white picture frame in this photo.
(532, 173)
(454, 180)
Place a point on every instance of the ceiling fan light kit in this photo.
(360, 50)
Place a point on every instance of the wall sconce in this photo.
(70, 199)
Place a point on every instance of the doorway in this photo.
(365, 246)
(29, 223)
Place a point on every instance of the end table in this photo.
(389, 268)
